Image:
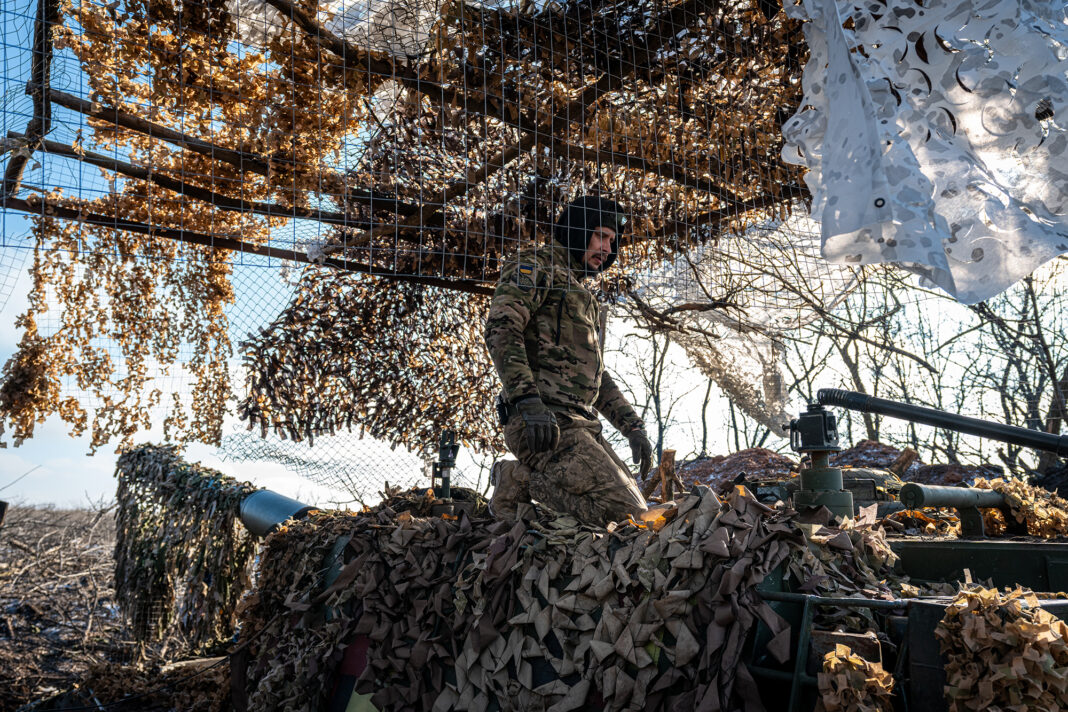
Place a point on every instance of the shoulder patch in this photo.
(524, 276)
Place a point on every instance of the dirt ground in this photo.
(57, 608)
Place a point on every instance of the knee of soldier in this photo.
(619, 502)
(508, 472)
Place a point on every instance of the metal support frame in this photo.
(39, 88)
(809, 603)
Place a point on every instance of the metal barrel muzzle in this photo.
(915, 496)
(941, 419)
(264, 511)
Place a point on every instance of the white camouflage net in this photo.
(934, 136)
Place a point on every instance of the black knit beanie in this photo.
(578, 221)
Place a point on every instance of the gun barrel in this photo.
(941, 419)
(915, 496)
(262, 512)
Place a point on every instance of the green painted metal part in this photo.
(828, 478)
(799, 678)
(1040, 566)
(909, 624)
(822, 487)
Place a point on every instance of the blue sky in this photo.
(59, 470)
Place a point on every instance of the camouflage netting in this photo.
(182, 560)
(849, 683)
(850, 559)
(543, 612)
(311, 136)
(928, 521)
(224, 129)
(1044, 513)
(466, 612)
(303, 369)
(1004, 653)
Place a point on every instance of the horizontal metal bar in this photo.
(941, 419)
(876, 603)
(783, 675)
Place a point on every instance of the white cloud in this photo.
(64, 475)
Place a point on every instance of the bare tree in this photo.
(650, 382)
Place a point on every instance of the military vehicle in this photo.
(900, 633)
(904, 642)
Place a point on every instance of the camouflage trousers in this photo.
(582, 476)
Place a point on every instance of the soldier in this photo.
(542, 333)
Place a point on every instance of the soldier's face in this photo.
(599, 248)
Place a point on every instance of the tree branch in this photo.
(662, 320)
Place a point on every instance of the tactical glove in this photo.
(641, 450)
(542, 431)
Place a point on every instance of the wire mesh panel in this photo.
(290, 215)
(384, 160)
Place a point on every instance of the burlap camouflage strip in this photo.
(849, 683)
(1003, 651)
(542, 332)
(536, 614)
(1044, 513)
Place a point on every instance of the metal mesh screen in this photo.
(214, 192)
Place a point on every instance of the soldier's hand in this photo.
(641, 450)
(542, 432)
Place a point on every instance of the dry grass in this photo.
(57, 605)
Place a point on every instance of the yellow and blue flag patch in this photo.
(524, 276)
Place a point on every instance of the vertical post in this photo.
(667, 475)
(801, 663)
(38, 88)
(447, 450)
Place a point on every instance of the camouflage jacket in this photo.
(542, 333)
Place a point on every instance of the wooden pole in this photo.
(241, 160)
(223, 242)
(664, 476)
(39, 88)
(203, 194)
(667, 474)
